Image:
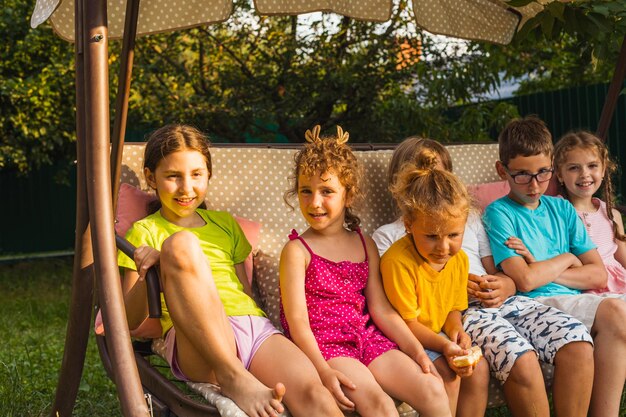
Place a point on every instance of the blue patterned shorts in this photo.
(520, 325)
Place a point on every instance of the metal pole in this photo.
(123, 92)
(79, 321)
(97, 124)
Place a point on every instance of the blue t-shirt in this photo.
(553, 228)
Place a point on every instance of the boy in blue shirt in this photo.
(559, 261)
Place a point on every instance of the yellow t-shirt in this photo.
(223, 243)
(416, 290)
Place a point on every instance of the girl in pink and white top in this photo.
(583, 167)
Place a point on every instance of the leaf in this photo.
(556, 9)
(547, 22)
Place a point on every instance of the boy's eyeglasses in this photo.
(523, 178)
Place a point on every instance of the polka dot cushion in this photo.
(251, 182)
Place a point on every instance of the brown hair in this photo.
(329, 154)
(528, 136)
(590, 142)
(174, 138)
(426, 190)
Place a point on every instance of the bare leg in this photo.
(205, 342)
(609, 336)
(573, 376)
(525, 390)
(368, 396)
(280, 360)
(403, 379)
(474, 392)
(451, 382)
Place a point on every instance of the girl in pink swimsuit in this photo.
(333, 305)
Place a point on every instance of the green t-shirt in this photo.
(224, 245)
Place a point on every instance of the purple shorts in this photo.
(250, 333)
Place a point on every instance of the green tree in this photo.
(273, 78)
(270, 79)
(37, 103)
(568, 44)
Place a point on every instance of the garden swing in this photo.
(90, 25)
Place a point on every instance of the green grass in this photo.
(34, 305)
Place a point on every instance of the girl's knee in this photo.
(435, 389)
(610, 317)
(181, 249)
(316, 399)
(371, 400)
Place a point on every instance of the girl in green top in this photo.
(213, 329)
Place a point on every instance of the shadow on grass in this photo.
(34, 305)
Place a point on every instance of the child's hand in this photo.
(493, 290)
(518, 246)
(424, 362)
(145, 257)
(452, 350)
(333, 380)
(473, 285)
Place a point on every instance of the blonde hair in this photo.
(422, 189)
(590, 142)
(409, 150)
(325, 155)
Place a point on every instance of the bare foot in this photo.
(253, 397)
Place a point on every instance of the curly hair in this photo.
(590, 142)
(330, 154)
(424, 190)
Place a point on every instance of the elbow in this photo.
(599, 280)
(524, 283)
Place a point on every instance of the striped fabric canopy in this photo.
(486, 20)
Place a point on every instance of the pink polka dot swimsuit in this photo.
(338, 314)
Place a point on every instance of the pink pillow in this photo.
(485, 194)
(252, 231)
(553, 187)
(132, 205)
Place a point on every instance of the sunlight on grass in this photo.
(34, 302)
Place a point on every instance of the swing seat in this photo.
(249, 183)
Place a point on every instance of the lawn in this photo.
(34, 303)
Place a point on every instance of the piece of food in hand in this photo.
(468, 360)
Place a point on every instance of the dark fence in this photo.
(38, 213)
